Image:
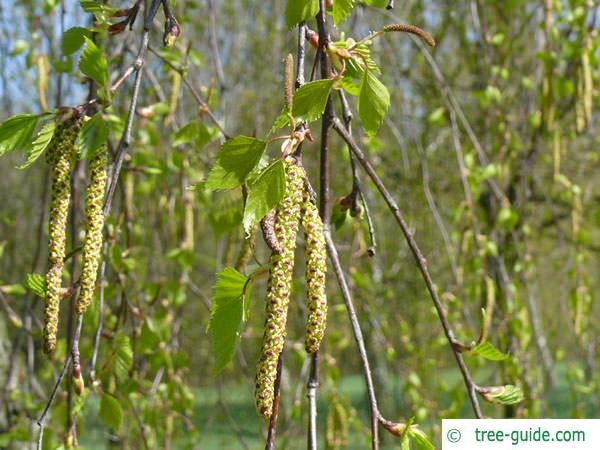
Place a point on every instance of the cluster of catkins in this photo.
(296, 207)
(60, 155)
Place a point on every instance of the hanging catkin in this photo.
(279, 287)
(94, 223)
(316, 268)
(60, 155)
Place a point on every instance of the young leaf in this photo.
(236, 159)
(281, 121)
(419, 439)
(373, 103)
(376, 3)
(73, 39)
(341, 10)
(195, 132)
(93, 134)
(298, 10)
(36, 283)
(13, 289)
(310, 99)
(39, 144)
(16, 132)
(227, 314)
(225, 212)
(119, 361)
(92, 63)
(503, 395)
(110, 411)
(264, 194)
(487, 350)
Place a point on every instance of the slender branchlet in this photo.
(94, 224)
(279, 287)
(316, 269)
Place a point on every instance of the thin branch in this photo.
(42, 419)
(126, 138)
(419, 259)
(98, 333)
(358, 336)
(214, 47)
(197, 97)
(324, 210)
(357, 190)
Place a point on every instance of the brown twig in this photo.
(419, 259)
(197, 97)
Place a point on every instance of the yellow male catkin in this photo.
(94, 223)
(279, 287)
(60, 156)
(412, 29)
(316, 269)
(289, 81)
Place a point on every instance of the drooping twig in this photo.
(98, 333)
(125, 141)
(324, 208)
(357, 191)
(358, 336)
(197, 97)
(419, 259)
(214, 47)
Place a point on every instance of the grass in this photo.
(216, 430)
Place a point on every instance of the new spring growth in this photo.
(351, 50)
(78, 382)
(172, 32)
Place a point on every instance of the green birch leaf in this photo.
(419, 439)
(297, 11)
(373, 103)
(227, 314)
(16, 132)
(92, 63)
(341, 10)
(310, 99)
(110, 411)
(119, 360)
(36, 283)
(73, 39)
(93, 134)
(40, 144)
(235, 160)
(503, 395)
(264, 194)
(488, 351)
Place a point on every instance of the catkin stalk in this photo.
(94, 224)
(279, 287)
